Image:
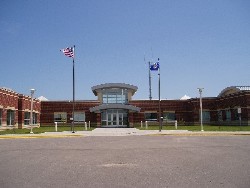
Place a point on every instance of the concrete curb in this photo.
(24, 136)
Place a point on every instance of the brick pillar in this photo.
(4, 118)
(131, 120)
(20, 119)
(98, 119)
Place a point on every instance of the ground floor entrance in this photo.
(114, 118)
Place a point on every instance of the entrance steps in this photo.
(116, 130)
(130, 132)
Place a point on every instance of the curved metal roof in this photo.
(233, 89)
(97, 88)
(114, 106)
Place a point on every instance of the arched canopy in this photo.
(98, 88)
(233, 89)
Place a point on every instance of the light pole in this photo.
(200, 91)
(32, 91)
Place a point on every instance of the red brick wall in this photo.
(8, 101)
(186, 111)
(178, 106)
(19, 103)
(24, 105)
(49, 107)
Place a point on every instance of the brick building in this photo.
(115, 107)
(15, 110)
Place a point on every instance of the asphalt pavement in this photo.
(126, 161)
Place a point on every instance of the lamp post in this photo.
(32, 91)
(200, 91)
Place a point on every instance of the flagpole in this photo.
(149, 78)
(159, 87)
(73, 113)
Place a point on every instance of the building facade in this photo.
(15, 110)
(115, 107)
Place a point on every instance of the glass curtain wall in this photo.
(115, 96)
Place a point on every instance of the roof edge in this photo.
(114, 85)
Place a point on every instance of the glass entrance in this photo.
(114, 118)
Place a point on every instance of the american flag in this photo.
(68, 51)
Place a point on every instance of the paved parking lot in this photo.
(129, 161)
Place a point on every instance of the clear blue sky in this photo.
(200, 43)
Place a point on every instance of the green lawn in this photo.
(43, 129)
(169, 127)
(198, 128)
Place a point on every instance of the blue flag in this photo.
(155, 66)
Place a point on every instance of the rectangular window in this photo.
(220, 117)
(104, 117)
(235, 114)
(34, 116)
(79, 116)
(60, 117)
(105, 98)
(10, 117)
(114, 96)
(26, 118)
(1, 116)
(206, 116)
(169, 116)
(228, 115)
(149, 116)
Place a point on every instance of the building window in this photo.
(104, 117)
(79, 116)
(27, 118)
(235, 114)
(10, 117)
(60, 117)
(114, 96)
(228, 115)
(206, 116)
(169, 116)
(34, 116)
(150, 116)
(1, 116)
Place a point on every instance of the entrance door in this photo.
(114, 118)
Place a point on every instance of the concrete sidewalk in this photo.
(137, 132)
(124, 132)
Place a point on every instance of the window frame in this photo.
(62, 118)
(165, 115)
(10, 121)
(79, 113)
(153, 116)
